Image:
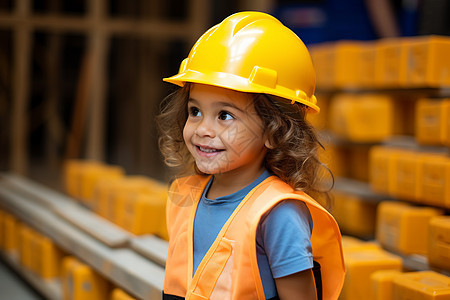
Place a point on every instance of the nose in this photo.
(205, 128)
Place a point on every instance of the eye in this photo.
(194, 111)
(225, 116)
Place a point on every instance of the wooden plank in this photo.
(151, 247)
(124, 267)
(35, 192)
(89, 222)
(94, 225)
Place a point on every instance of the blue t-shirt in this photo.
(282, 238)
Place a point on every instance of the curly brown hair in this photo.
(293, 155)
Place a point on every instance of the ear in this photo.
(268, 144)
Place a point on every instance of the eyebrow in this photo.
(220, 103)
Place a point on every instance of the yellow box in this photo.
(50, 257)
(26, 246)
(439, 242)
(391, 63)
(346, 60)
(366, 66)
(428, 65)
(35, 253)
(425, 285)
(91, 177)
(382, 169)
(352, 244)
(359, 162)
(404, 228)
(322, 56)
(408, 166)
(144, 213)
(80, 282)
(103, 194)
(335, 158)
(2, 229)
(320, 121)
(360, 265)
(436, 180)
(124, 188)
(432, 121)
(73, 172)
(11, 227)
(382, 284)
(362, 118)
(355, 215)
(119, 294)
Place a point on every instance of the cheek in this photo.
(188, 131)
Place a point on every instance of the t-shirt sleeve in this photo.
(284, 234)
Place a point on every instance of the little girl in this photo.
(241, 225)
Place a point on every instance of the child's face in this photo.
(223, 131)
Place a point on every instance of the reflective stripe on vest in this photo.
(229, 269)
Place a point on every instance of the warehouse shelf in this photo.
(50, 289)
(359, 188)
(123, 266)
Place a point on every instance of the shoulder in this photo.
(288, 212)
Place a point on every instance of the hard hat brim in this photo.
(238, 83)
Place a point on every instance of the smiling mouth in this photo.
(208, 149)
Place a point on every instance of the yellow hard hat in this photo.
(252, 52)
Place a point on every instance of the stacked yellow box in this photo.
(391, 63)
(436, 180)
(387, 63)
(80, 282)
(355, 216)
(119, 294)
(48, 257)
(82, 176)
(403, 228)
(361, 262)
(425, 285)
(366, 66)
(411, 175)
(144, 213)
(362, 118)
(11, 231)
(428, 63)
(432, 126)
(407, 176)
(382, 284)
(2, 229)
(439, 242)
(26, 243)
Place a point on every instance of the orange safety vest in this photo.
(229, 270)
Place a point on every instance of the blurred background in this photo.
(81, 84)
(82, 79)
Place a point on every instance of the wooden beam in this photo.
(60, 24)
(97, 47)
(21, 69)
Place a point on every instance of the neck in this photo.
(233, 181)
